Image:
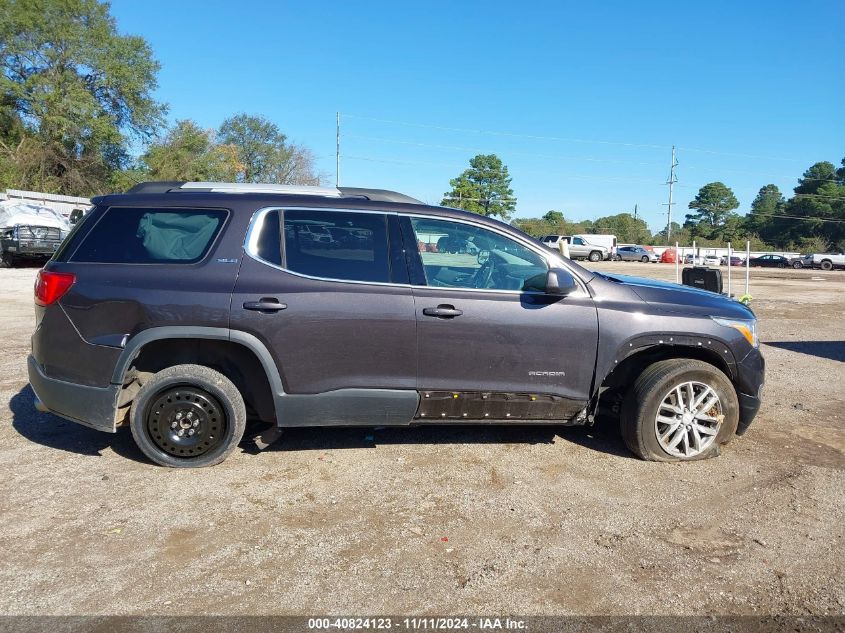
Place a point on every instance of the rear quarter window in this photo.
(134, 235)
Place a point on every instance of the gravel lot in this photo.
(525, 520)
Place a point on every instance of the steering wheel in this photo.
(484, 275)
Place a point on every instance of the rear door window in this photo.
(346, 246)
(134, 235)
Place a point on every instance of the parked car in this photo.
(711, 260)
(180, 309)
(669, 256)
(735, 261)
(579, 248)
(769, 261)
(635, 254)
(701, 260)
(798, 262)
(29, 232)
(825, 261)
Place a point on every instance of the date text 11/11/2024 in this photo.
(417, 624)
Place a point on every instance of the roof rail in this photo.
(378, 195)
(261, 187)
(177, 186)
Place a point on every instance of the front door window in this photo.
(458, 255)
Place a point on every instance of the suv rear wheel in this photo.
(679, 410)
(188, 416)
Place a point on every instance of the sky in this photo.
(583, 101)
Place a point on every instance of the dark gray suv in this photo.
(183, 309)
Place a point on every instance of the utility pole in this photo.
(672, 180)
(635, 211)
(337, 150)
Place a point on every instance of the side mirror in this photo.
(560, 282)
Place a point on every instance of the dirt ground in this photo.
(523, 520)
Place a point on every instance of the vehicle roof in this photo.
(249, 202)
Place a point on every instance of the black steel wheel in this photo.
(185, 421)
(188, 416)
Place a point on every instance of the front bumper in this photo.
(91, 406)
(751, 374)
(34, 249)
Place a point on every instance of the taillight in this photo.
(49, 287)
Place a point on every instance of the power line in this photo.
(561, 176)
(478, 149)
(564, 139)
(499, 133)
(816, 195)
(795, 217)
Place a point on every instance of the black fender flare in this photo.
(713, 346)
(135, 344)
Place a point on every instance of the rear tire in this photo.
(595, 256)
(188, 416)
(647, 419)
(826, 265)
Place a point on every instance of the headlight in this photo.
(748, 328)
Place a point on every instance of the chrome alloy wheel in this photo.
(688, 419)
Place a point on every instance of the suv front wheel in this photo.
(595, 256)
(188, 416)
(679, 410)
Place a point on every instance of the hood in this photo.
(15, 213)
(672, 297)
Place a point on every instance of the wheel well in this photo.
(626, 372)
(237, 362)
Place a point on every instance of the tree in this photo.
(484, 188)
(554, 218)
(625, 227)
(764, 219)
(265, 154)
(188, 152)
(820, 198)
(79, 89)
(713, 206)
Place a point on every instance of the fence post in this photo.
(730, 255)
(747, 265)
(677, 264)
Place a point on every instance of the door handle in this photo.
(265, 304)
(443, 311)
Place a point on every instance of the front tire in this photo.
(595, 256)
(679, 410)
(797, 265)
(644, 260)
(188, 416)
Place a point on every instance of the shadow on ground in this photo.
(603, 438)
(56, 433)
(832, 350)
